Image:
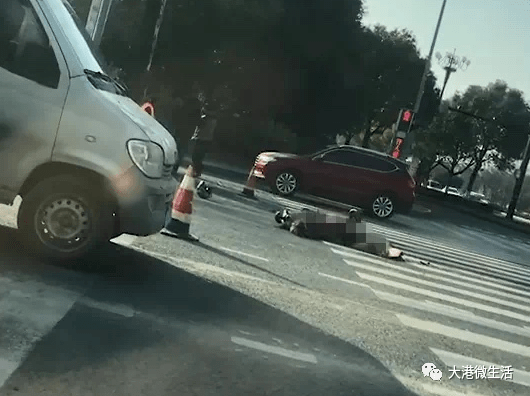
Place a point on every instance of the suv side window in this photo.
(342, 157)
(372, 162)
(25, 48)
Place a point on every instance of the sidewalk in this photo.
(235, 166)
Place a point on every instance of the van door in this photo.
(33, 87)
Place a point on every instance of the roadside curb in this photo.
(490, 217)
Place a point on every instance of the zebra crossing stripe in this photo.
(445, 278)
(463, 275)
(449, 311)
(435, 244)
(461, 262)
(28, 310)
(464, 335)
(444, 297)
(439, 252)
(451, 359)
(446, 249)
(436, 285)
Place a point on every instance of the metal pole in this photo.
(157, 30)
(415, 161)
(97, 19)
(519, 181)
(429, 58)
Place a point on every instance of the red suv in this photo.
(353, 175)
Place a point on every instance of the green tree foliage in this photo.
(392, 69)
(449, 142)
(314, 69)
(499, 141)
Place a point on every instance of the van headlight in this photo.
(147, 156)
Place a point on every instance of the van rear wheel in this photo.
(63, 218)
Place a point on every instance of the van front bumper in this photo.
(143, 212)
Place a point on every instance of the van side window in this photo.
(25, 48)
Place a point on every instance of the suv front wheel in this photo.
(383, 206)
(63, 218)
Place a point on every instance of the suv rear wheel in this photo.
(383, 206)
(62, 218)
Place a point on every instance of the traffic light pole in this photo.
(429, 59)
(519, 181)
(97, 19)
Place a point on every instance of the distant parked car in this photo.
(453, 191)
(478, 197)
(434, 185)
(353, 175)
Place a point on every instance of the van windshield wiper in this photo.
(121, 90)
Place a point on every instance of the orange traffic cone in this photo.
(149, 108)
(248, 191)
(179, 224)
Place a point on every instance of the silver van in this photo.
(87, 162)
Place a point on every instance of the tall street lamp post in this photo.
(415, 161)
(451, 63)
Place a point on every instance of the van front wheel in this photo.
(62, 218)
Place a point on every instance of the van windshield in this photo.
(75, 31)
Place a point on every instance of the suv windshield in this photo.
(90, 58)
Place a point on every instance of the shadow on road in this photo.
(239, 260)
(188, 349)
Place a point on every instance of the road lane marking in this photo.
(464, 335)
(6, 369)
(117, 309)
(243, 254)
(469, 266)
(346, 280)
(434, 389)
(196, 266)
(445, 276)
(480, 296)
(445, 297)
(439, 252)
(124, 240)
(447, 310)
(304, 357)
(451, 359)
(437, 308)
(28, 311)
(413, 241)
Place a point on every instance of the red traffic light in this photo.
(407, 116)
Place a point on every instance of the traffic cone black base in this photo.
(180, 235)
(248, 193)
(248, 190)
(178, 226)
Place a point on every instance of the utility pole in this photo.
(429, 59)
(97, 19)
(519, 180)
(415, 161)
(155, 35)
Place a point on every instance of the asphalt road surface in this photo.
(254, 310)
(436, 222)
